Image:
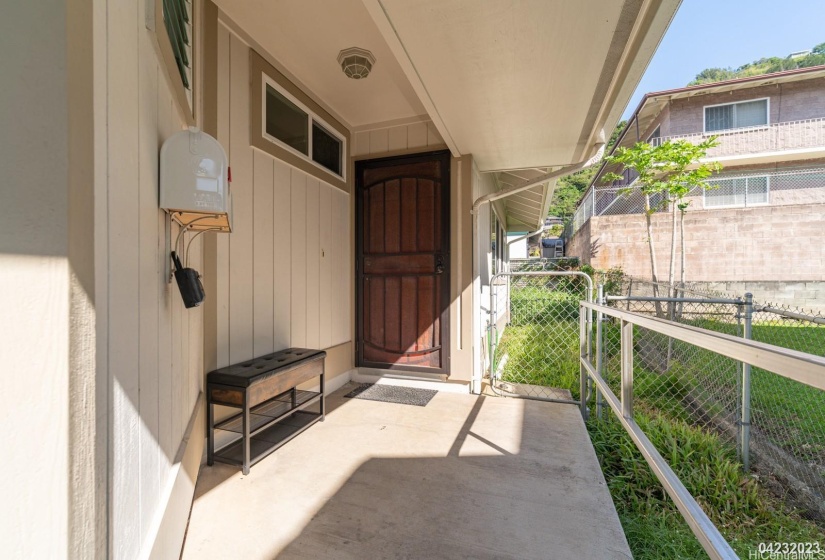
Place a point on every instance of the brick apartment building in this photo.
(761, 229)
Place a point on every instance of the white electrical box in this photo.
(194, 181)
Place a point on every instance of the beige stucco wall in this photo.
(781, 243)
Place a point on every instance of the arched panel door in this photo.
(403, 263)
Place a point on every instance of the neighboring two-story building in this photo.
(760, 228)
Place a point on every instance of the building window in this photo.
(286, 122)
(736, 115)
(326, 148)
(740, 191)
(292, 125)
(655, 139)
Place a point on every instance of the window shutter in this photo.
(176, 19)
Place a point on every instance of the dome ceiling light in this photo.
(356, 63)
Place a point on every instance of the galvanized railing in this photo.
(791, 135)
(798, 366)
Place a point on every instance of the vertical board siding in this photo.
(243, 189)
(313, 264)
(222, 257)
(263, 255)
(329, 245)
(154, 344)
(149, 296)
(124, 279)
(285, 280)
(342, 271)
(298, 268)
(282, 251)
(403, 137)
(165, 300)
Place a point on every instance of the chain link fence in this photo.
(534, 338)
(775, 424)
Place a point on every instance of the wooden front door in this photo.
(403, 262)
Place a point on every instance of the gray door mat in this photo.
(392, 394)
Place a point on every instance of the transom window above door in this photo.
(736, 115)
(290, 124)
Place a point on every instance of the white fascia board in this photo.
(387, 30)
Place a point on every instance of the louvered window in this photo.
(178, 22)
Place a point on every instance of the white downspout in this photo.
(475, 385)
(525, 236)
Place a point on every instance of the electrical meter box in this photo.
(194, 181)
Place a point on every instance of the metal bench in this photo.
(272, 409)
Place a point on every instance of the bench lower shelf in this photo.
(268, 440)
(269, 411)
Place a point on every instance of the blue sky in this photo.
(729, 33)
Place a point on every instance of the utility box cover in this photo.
(194, 181)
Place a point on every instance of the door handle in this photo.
(439, 263)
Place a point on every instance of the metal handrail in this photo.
(801, 367)
(795, 365)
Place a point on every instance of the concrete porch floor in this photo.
(463, 477)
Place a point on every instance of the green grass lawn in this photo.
(745, 513)
(791, 414)
(532, 359)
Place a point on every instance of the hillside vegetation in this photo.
(762, 66)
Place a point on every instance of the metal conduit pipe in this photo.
(475, 384)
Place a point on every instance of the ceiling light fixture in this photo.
(356, 63)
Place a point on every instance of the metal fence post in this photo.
(584, 351)
(593, 201)
(599, 348)
(745, 427)
(627, 369)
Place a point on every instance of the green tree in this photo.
(671, 170)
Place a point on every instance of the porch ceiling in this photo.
(523, 83)
(305, 37)
(519, 84)
(525, 210)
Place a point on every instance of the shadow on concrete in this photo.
(548, 500)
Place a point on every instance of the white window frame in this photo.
(747, 204)
(311, 117)
(728, 130)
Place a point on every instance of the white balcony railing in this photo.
(792, 135)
